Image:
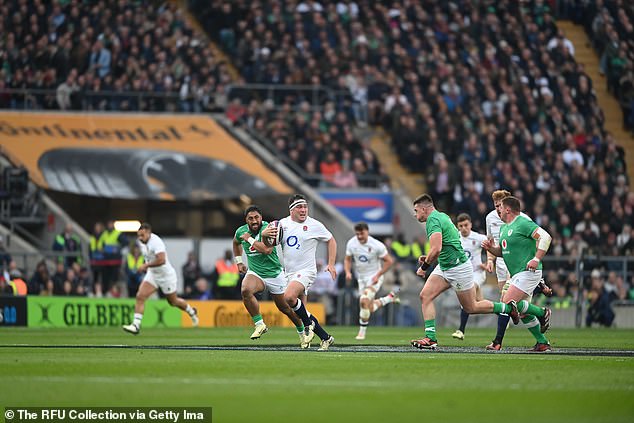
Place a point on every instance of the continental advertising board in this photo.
(134, 156)
(233, 313)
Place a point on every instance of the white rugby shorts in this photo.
(459, 277)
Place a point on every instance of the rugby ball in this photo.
(280, 234)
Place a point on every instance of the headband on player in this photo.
(297, 203)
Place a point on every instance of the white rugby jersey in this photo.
(299, 245)
(472, 246)
(494, 223)
(150, 250)
(366, 257)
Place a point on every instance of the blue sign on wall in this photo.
(375, 208)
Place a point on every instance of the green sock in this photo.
(501, 308)
(300, 328)
(525, 307)
(533, 327)
(430, 329)
(257, 319)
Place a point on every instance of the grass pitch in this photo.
(380, 379)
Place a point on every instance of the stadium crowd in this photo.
(476, 96)
(106, 55)
(610, 25)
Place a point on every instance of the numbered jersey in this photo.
(366, 257)
(300, 243)
(264, 265)
(471, 244)
(154, 246)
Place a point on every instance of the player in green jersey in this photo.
(522, 245)
(453, 271)
(264, 271)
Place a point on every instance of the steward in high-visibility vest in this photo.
(228, 274)
(68, 242)
(134, 260)
(402, 250)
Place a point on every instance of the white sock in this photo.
(137, 319)
(362, 330)
(189, 310)
(386, 300)
(259, 322)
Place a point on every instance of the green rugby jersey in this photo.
(518, 245)
(264, 265)
(451, 254)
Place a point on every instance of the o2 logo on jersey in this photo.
(363, 259)
(292, 241)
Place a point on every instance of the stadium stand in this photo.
(610, 25)
(109, 55)
(475, 96)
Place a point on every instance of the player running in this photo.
(264, 272)
(472, 245)
(493, 225)
(371, 261)
(302, 234)
(522, 245)
(453, 271)
(160, 274)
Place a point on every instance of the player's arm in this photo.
(491, 249)
(347, 267)
(435, 245)
(158, 261)
(258, 246)
(332, 257)
(387, 262)
(543, 243)
(237, 256)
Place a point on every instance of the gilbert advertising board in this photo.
(63, 312)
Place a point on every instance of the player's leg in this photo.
(525, 283)
(251, 285)
(283, 306)
(531, 322)
(145, 290)
(168, 285)
(276, 287)
(317, 328)
(464, 316)
(503, 318)
(292, 294)
(392, 297)
(366, 296)
(436, 284)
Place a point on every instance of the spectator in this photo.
(226, 278)
(600, 307)
(40, 281)
(191, 272)
(69, 243)
(134, 260)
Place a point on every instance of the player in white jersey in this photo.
(371, 261)
(493, 224)
(302, 234)
(160, 274)
(471, 244)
